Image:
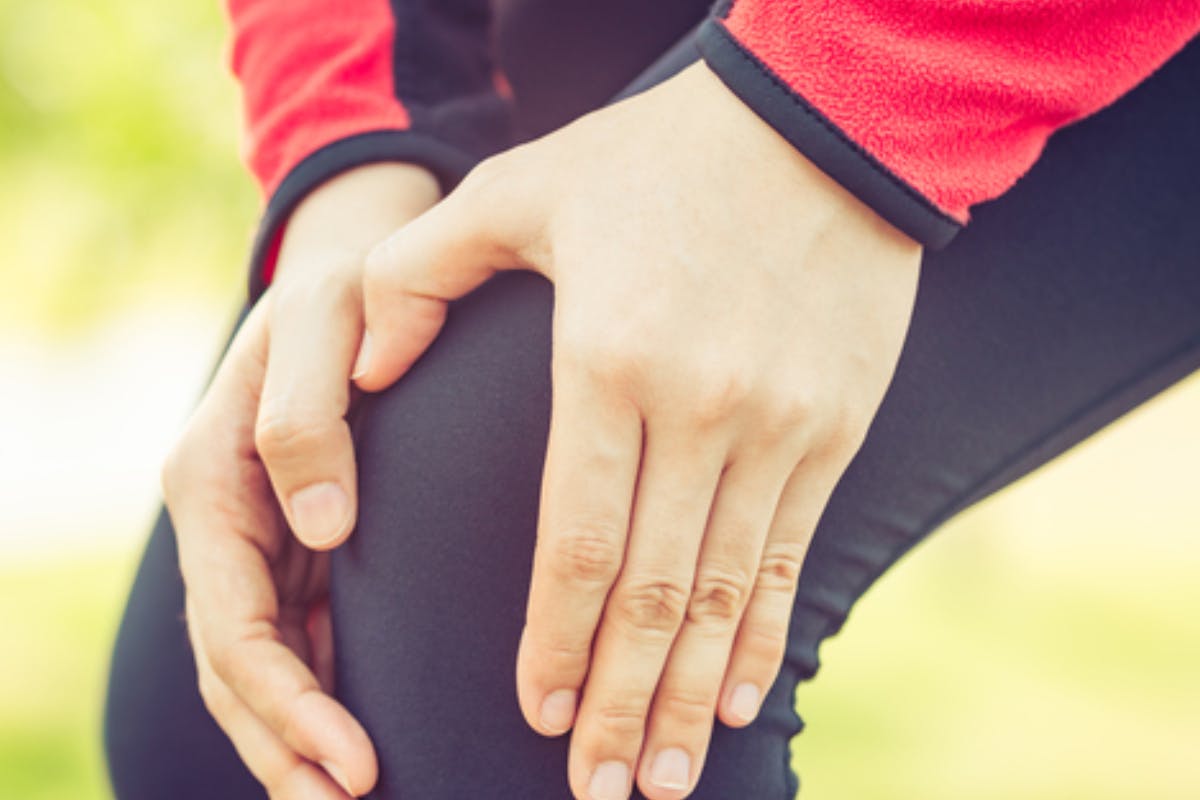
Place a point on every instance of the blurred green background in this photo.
(1046, 645)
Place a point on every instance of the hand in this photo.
(727, 320)
(257, 607)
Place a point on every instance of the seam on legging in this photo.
(954, 506)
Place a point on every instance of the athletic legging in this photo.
(1064, 304)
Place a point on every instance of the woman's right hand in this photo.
(257, 610)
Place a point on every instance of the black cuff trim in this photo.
(822, 142)
(449, 164)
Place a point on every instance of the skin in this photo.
(256, 596)
(727, 320)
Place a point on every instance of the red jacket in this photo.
(922, 108)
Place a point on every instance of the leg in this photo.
(159, 740)
(1068, 302)
(158, 737)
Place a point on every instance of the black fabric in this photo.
(441, 50)
(822, 142)
(159, 740)
(1069, 301)
(566, 57)
(680, 56)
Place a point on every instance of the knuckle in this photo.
(843, 434)
(485, 175)
(622, 720)
(691, 709)
(613, 363)
(780, 568)
(231, 654)
(719, 393)
(222, 659)
(718, 598)
(376, 272)
(558, 656)
(653, 605)
(282, 435)
(607, 358)
(215, 701)
(764, 642)
(784, 412)
(588, 553)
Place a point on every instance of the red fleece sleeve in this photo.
(329, 85)
(949, 101)
(311, 74)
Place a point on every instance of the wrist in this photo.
(343, 218)
(772, 161)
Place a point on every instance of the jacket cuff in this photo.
(447, 162)
(822, 142)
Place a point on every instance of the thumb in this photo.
(483, 227)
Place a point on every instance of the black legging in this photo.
(1066, 303)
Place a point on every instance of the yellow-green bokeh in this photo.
(118, 137)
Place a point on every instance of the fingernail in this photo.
(364, 357)
(338, 776)
(671, 769)
(319, 512)
(558, 710)
(743, 703)
(610, 781)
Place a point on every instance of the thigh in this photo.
(1067, 302)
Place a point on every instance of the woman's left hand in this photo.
(726, 322)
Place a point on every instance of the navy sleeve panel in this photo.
(441, 50)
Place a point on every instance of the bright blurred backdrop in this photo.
(1045, 646)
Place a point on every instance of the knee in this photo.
(474, 411)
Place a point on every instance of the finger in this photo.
(226, 526)
(644, 610)
(235, 616)
(483, 226)
(231, 398)
(284, 774)
(301, 431)
(682, 715)
(761, 640)
(587, 493)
